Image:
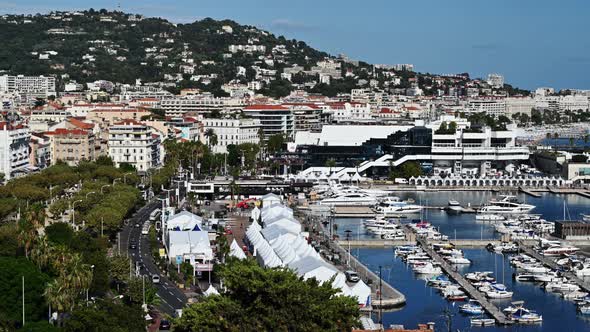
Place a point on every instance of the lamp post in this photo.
(91, 269)
(348, 231)
(115, 180)
(92, 192)
(380, 299)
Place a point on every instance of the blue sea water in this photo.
(464, 226)
(425, 304)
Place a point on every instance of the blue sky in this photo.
(532, 43)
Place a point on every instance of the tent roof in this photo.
(236, 251)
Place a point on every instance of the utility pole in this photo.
(380, 299)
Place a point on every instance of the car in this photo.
(156, 279)
(137, 224)
(228, 232)
(352, 276)
(132, 245)
(164, 325)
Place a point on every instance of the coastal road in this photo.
(171, 297)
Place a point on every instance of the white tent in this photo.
(186, 243)
(255, 214)
(270, 199)
(236, 251)
(275, 210)
(312, 267)
(275, 231)
(362, 293)
(284, 250)
(210, 291)
(184, 221)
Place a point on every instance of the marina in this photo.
(475, 234)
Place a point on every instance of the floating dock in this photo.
(353, 212)
(531, 192)
(488, 306)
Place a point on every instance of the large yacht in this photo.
(507, 205)
(350, 199)
(392, 206)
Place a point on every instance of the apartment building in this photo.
(14, 149)
(72, 145)
(274, 119)
(522, 105)
(40, 147)
(135, 143)
(494, 106)
(178, 106)
(349, 111)
(28, 87)
(232, 131)
(109, 116)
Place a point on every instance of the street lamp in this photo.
(348, 231)
(92, 192)
(125, 177)
(115, 180)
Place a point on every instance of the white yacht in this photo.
(350, 199)
(427, 268)
(559, 250)
(508, 205)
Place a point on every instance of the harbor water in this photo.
(425, 304)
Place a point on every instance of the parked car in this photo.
(132, 245)
(352, 276)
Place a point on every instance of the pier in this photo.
(552, 264)
(531, 192)
(352, 212)
(488, 306)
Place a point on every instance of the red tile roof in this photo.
(266, 107)
(63, 131)
(80, 124)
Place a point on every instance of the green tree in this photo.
(275, 143)
(106, 315)
(135, 288)
(259, 299)
(59, 233)
(11, 272)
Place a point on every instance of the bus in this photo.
(155, 215)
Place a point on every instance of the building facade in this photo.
(274, 119)
(232, 131)
(14, 149)
(71, 146)
(134, 143)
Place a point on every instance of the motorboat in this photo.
(524, 277)
(458, 260)
(394, 236)
(584, 308)
(585, 217)
(489, 217)
(482, 322)
(498, 294)
(428, 268)
(526, 316)
(454, 207)
(547, 277)
(561, 286)
(575, 296)
(385, 229)
(401, 208)
(559, 250)
(514, 307)
(582, 270)
(535, 269)
(480, 276)
(504, 247)
(471, 308)
(440, 281)
(350, 199)
(508, 205)
(406, 250)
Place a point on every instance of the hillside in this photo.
(120, 47)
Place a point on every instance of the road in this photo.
(171, 297)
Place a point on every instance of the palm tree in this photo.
(41, 252)
(331, 163)
(209, 133)
(26, 235)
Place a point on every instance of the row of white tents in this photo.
(278, 241)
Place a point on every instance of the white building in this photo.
(232, 131)
(349, 111)
(494, 106)
(495, 80)
(134, 143)
(28, 87)
(274, 119)
(14, 149)
(522, 105)
(187, 241)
